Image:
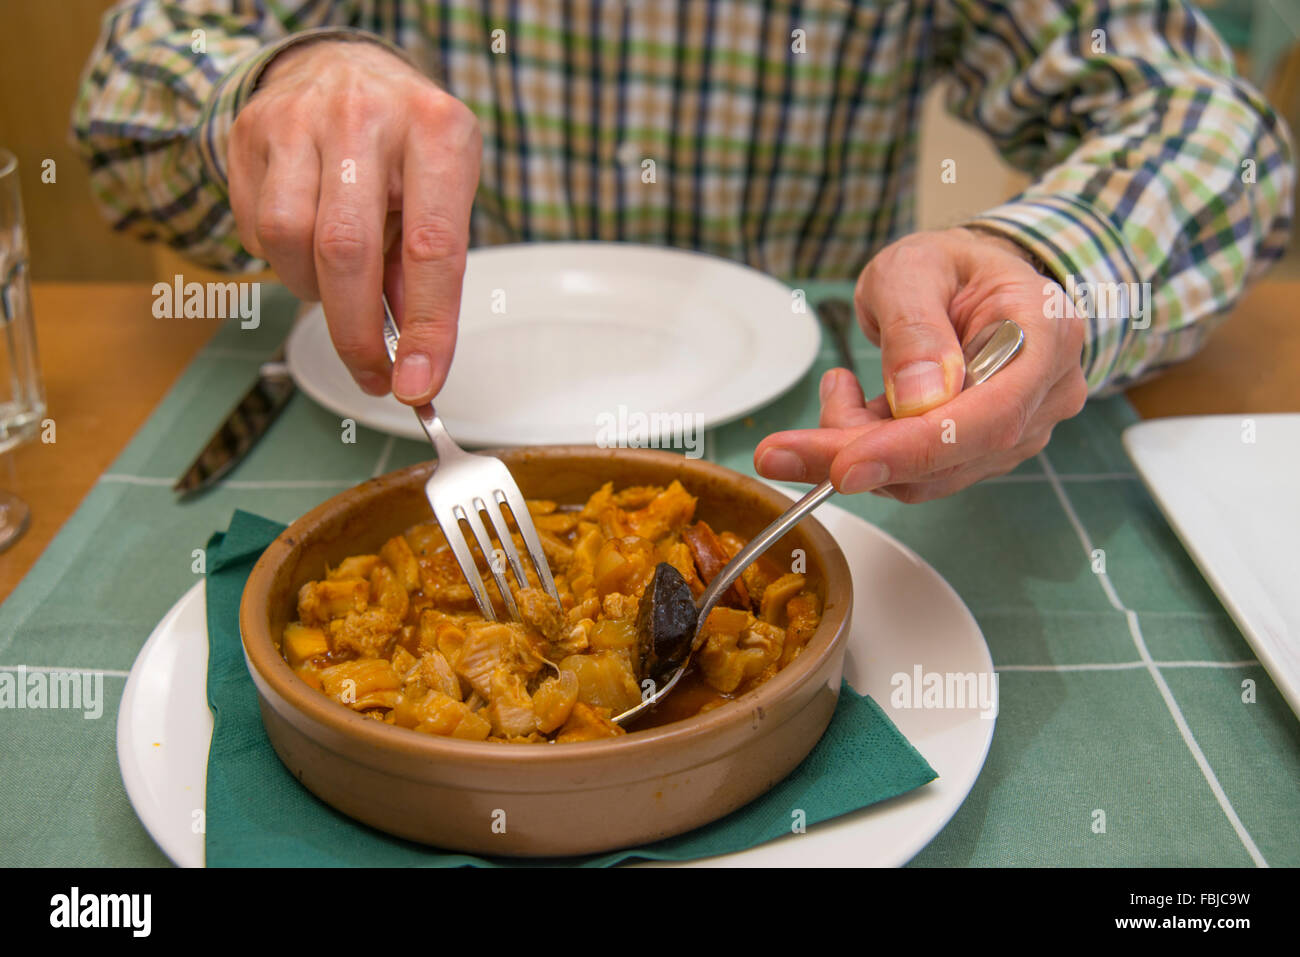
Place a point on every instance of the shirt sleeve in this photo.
(1164, 184)
(156, 103)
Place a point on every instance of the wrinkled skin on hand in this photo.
(352, 174)
(920, 299)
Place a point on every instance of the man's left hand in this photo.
(919, 299)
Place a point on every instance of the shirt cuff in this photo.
(235, 88)
(1094, 266)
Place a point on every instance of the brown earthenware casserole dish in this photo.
(549, 799)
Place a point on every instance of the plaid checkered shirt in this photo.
(783, 133)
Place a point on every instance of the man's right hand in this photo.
(343, 149)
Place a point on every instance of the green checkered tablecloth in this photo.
(1120, 691)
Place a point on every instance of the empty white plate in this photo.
(566, 342)
(1229, 486)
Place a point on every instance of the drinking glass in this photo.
(22, 397)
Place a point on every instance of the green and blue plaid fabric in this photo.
(779, 133)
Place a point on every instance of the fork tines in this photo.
(450, 516)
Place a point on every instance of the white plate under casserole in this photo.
(915, 620)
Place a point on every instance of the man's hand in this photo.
(919, 300)
(343, 148)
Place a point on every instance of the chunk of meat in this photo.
(321, 602)
(710, 559)
(387, 591)
(624, 565)
(436, 713)
(618, 605)
(366, 634)
(557, 523)
(605, 680)
(542, 612)
(403, 661)
(301, 644)
(732, 656)
(511, 709)
(777, 594)
(425, 539)
(637, 496)
(439, 631)
(576, 640)
(354, 566)
(678, 554)
(803, 613)
(668, 511)
(582, 564)
(397, 554)
(554, 700)
(588, 724)
(432, 673)
(442, 581)
(492, 645)
(362, 684)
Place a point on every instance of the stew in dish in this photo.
(397, 635)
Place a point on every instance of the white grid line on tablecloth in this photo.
(1161, 685)
(1128, 665)
(119, 478)
(122, 478)
(384, 454)
(46, 669)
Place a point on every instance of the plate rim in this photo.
(178, 848)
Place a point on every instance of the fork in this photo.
(463, 485)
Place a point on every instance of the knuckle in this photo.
(1078, 394)
(279, 228)
(435, 240)
(342, 242)
(446, 121)
(356, 351)
(1009, 431)
(927, 448)
(353, 104)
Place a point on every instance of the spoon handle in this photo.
(757, 546)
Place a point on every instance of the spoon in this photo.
(665, 608)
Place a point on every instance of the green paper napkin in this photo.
(258, 814)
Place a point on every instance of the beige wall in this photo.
(43, 44)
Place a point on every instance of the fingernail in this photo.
(373, 383)
(413, 376)
(828, 383)
(918, 385)
(781, 464)
(864, 476)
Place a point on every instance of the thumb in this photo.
(921, 358)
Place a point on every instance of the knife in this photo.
(837, 317)
(247, 422)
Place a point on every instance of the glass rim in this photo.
(8, 162)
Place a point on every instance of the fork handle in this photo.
(442, 441)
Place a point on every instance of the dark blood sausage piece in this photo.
(665, 622)
(710, 558)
